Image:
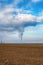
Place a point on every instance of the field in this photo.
(21, 54)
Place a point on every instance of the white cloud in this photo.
(22, 11)
(40, 17)
(25, 18)
(6, 16)
(8, 9)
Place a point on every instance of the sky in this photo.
(21, 21)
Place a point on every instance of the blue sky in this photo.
(21, 19)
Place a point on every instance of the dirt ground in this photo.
(21, 54)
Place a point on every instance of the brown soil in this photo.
(21, 54)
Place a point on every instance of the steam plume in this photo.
(21, 30)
